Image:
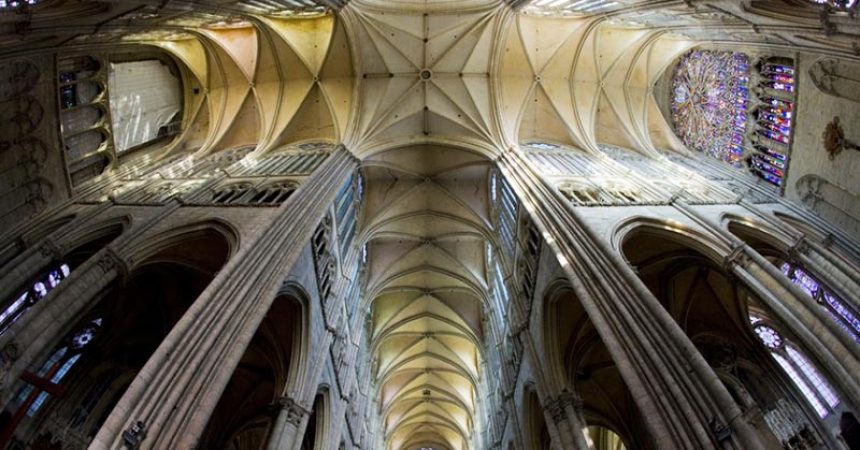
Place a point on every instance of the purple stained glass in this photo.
(840, 313)
(38, 291)
(768, 336)
(709, 102)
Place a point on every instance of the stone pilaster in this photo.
(670, 381)
(180, 385)
(291, 420)
(565, 412)
(821, 336)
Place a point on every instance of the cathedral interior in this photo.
(429, 224)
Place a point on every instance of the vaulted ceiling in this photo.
(425, 92)
(374, 78)
(427, 221)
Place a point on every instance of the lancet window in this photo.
(282, 164)
(838, 5)
(48, 380)
(505, 204)
(146, 102)
(273, 194)
(83, 116)
(9, 5)
(841, 313)
(803, 374)
(231, 193)
(46, 282)
(498, 289)
(773, 119)
(582, 194)
(346, 215)
(552, 160)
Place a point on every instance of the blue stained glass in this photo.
(38, 291)
(65, 369)
(710, 100)
(56, 357)
(37, 403)
(841, 314)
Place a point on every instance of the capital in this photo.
(294, 412)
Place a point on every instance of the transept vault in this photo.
(427, 225)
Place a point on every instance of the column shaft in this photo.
(676, 391)
(178, 388)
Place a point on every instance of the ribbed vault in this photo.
(584, 82)
(268, 81)
(427, 222)
(425, 74)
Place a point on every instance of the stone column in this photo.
(38, 255)
(821, 336)
(36, 332)
(289, 426)
(831, 345)
(682, 400)
(180, 385)
(565, 412)
(25, 266)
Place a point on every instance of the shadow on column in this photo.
(65, 397)
(249, 405)
(589, 368)
(315, 429)
(723, 320)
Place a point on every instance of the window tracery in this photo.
(84, 122)
(274, 193)
(45, 283)
(47, 380)
(710, 94)
(231, 194)
(714, 112)
(840, 312)
(11, 5)
(838, 5)
(291, 163)
(346, 208)
(805, 376)
(553, 160)
(773, 120)
(505, 205)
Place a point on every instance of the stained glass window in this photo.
(498, 288)
(709, 103)
(46, 381)
(837, 4)
(15, 4)
(803, 374)
(507, 215)
(31, 296)
(768, 336)
(773, 119)
(841, 313)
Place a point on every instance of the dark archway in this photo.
(808, 279)
(589, 368)
(717, 314)
(537, 433)
(51, 275)
(65, 398)
(250, 403)
(315, 429)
